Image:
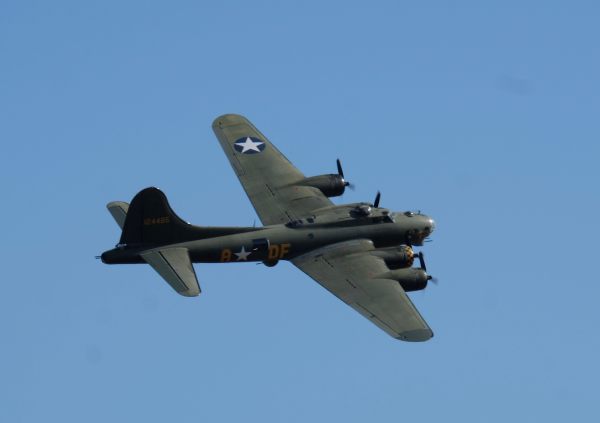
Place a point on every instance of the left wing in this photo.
(267, 176)
(350, 272)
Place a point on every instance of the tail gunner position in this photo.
(360, 252)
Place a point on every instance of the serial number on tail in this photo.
(157, 220)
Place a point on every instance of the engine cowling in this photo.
(397, 258)
(411, 279)
(332, 185)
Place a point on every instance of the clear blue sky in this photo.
(484, 116)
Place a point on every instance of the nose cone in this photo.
(427, 225)
(424, 228)
(431, 223)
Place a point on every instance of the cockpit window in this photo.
(409, 213)
(382, 219)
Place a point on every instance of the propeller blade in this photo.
(432, 279)
(339, 168)
(377, 199)
(422, 260)
(341, 173)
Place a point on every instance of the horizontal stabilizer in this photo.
(174, 265)
(118, 209)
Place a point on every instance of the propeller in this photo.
(377, 199)
(421, 258)
(339, 166)
(341, 173)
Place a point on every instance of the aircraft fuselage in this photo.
(270, 244)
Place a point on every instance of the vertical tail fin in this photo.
(150, 220)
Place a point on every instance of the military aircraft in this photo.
(360, 252)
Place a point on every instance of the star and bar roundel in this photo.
(249, 145)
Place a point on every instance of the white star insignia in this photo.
(249, 145)
(243, 254)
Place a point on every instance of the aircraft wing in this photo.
(267, 176)
(350, 272)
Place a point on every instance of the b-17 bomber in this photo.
(362, 253)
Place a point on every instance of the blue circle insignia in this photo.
(249, 145)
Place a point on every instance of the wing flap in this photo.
(175, 267)
(351, 273)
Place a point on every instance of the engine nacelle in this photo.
(411, 279)
(396, 258)
(331, 185)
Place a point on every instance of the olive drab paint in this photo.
(360, 252)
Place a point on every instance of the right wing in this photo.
(350, 272)
(267, 176)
